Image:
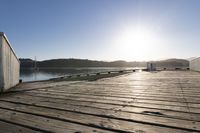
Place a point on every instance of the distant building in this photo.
(151, 66)
(9, 65)
(195, 64)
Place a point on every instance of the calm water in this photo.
(43, 74)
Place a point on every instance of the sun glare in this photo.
(136, 44)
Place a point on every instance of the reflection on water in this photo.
(47, 73)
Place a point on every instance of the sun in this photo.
(136, 44)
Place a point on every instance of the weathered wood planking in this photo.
(122, 103)
(90, 106)
(134, 117)
(97, 121)
(7, 127)
(167, 101)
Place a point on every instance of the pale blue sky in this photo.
(95, 29)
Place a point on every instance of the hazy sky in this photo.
(102, 29)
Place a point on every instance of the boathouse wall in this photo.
(195, 64)
(9, 65)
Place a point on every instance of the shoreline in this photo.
(86, 76)
(60, 81)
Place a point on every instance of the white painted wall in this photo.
(1, 66)
(10, 65)
(195, 64)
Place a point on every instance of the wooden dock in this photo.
(139, 102)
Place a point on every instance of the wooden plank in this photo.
(93, 92)
(179, 99)
(45, 124)
(123, 103)
(127, 95)
(139, 118)
(163, 98)
(138, 99)
(6, 127)
(154, 102)
(73, 104)
(128, 106)
(146, 101)
(108, 123)
(45, 84)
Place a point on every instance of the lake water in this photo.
(48, 73)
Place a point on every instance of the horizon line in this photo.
(188, 59)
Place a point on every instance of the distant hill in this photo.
(172, 63)
(29, 63)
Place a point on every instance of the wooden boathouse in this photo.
(9, 64)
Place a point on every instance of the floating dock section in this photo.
(138, 102)
(9, 65)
